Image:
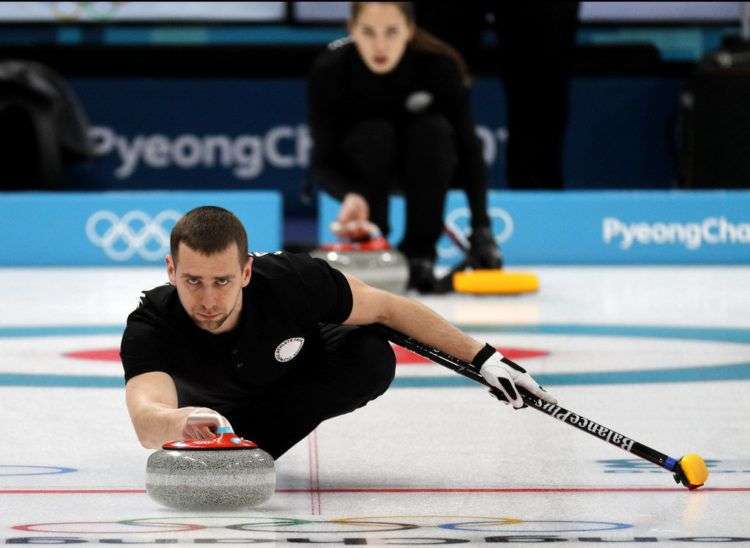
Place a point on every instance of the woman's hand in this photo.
(353, 208)
(353, 219)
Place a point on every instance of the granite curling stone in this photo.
(226, 473)
(372, 261)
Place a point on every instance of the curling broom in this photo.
(464, 278)
(690, 470)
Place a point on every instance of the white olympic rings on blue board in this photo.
(136, 230)
(501, 223)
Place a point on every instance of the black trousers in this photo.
(535, 43)
(536, 75)
(416, 155)
(356, 365)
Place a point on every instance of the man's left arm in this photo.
(412, 318)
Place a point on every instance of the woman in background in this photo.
(389, 110)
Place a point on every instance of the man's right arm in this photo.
(152, 403)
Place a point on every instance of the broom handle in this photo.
(556, 411)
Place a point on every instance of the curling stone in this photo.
(373, 261)
(224, 473)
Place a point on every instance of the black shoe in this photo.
(421, 275)
(484, 252)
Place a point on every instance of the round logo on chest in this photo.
(418, 101)
(288, 349)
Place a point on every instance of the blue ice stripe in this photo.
(703, 373)
(60, 330)
(729, 372)
(60, 381)
(721, 334)
(456, 381)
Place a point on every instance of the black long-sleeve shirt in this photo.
(343, 92)
(288, 298)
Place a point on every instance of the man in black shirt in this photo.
(274, 343)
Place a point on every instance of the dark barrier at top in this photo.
(252, 134)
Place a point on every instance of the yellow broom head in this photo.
(495, 282)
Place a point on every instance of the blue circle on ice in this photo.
(25, 470)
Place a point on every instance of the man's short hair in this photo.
(209, 230)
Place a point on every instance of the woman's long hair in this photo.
(422, 40)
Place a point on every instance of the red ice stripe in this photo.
(403, 356)
(409, 490)
(314, 490)
(99, 355)
(68, 491)
(514, 490)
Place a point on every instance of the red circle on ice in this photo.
(403, 356)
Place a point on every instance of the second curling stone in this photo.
(372, 261)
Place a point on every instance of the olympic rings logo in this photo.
(134, 232)
(501, 224)
(297, 525)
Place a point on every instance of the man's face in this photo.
(210, 286)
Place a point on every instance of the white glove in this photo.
(506, 376)
(203, 424)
